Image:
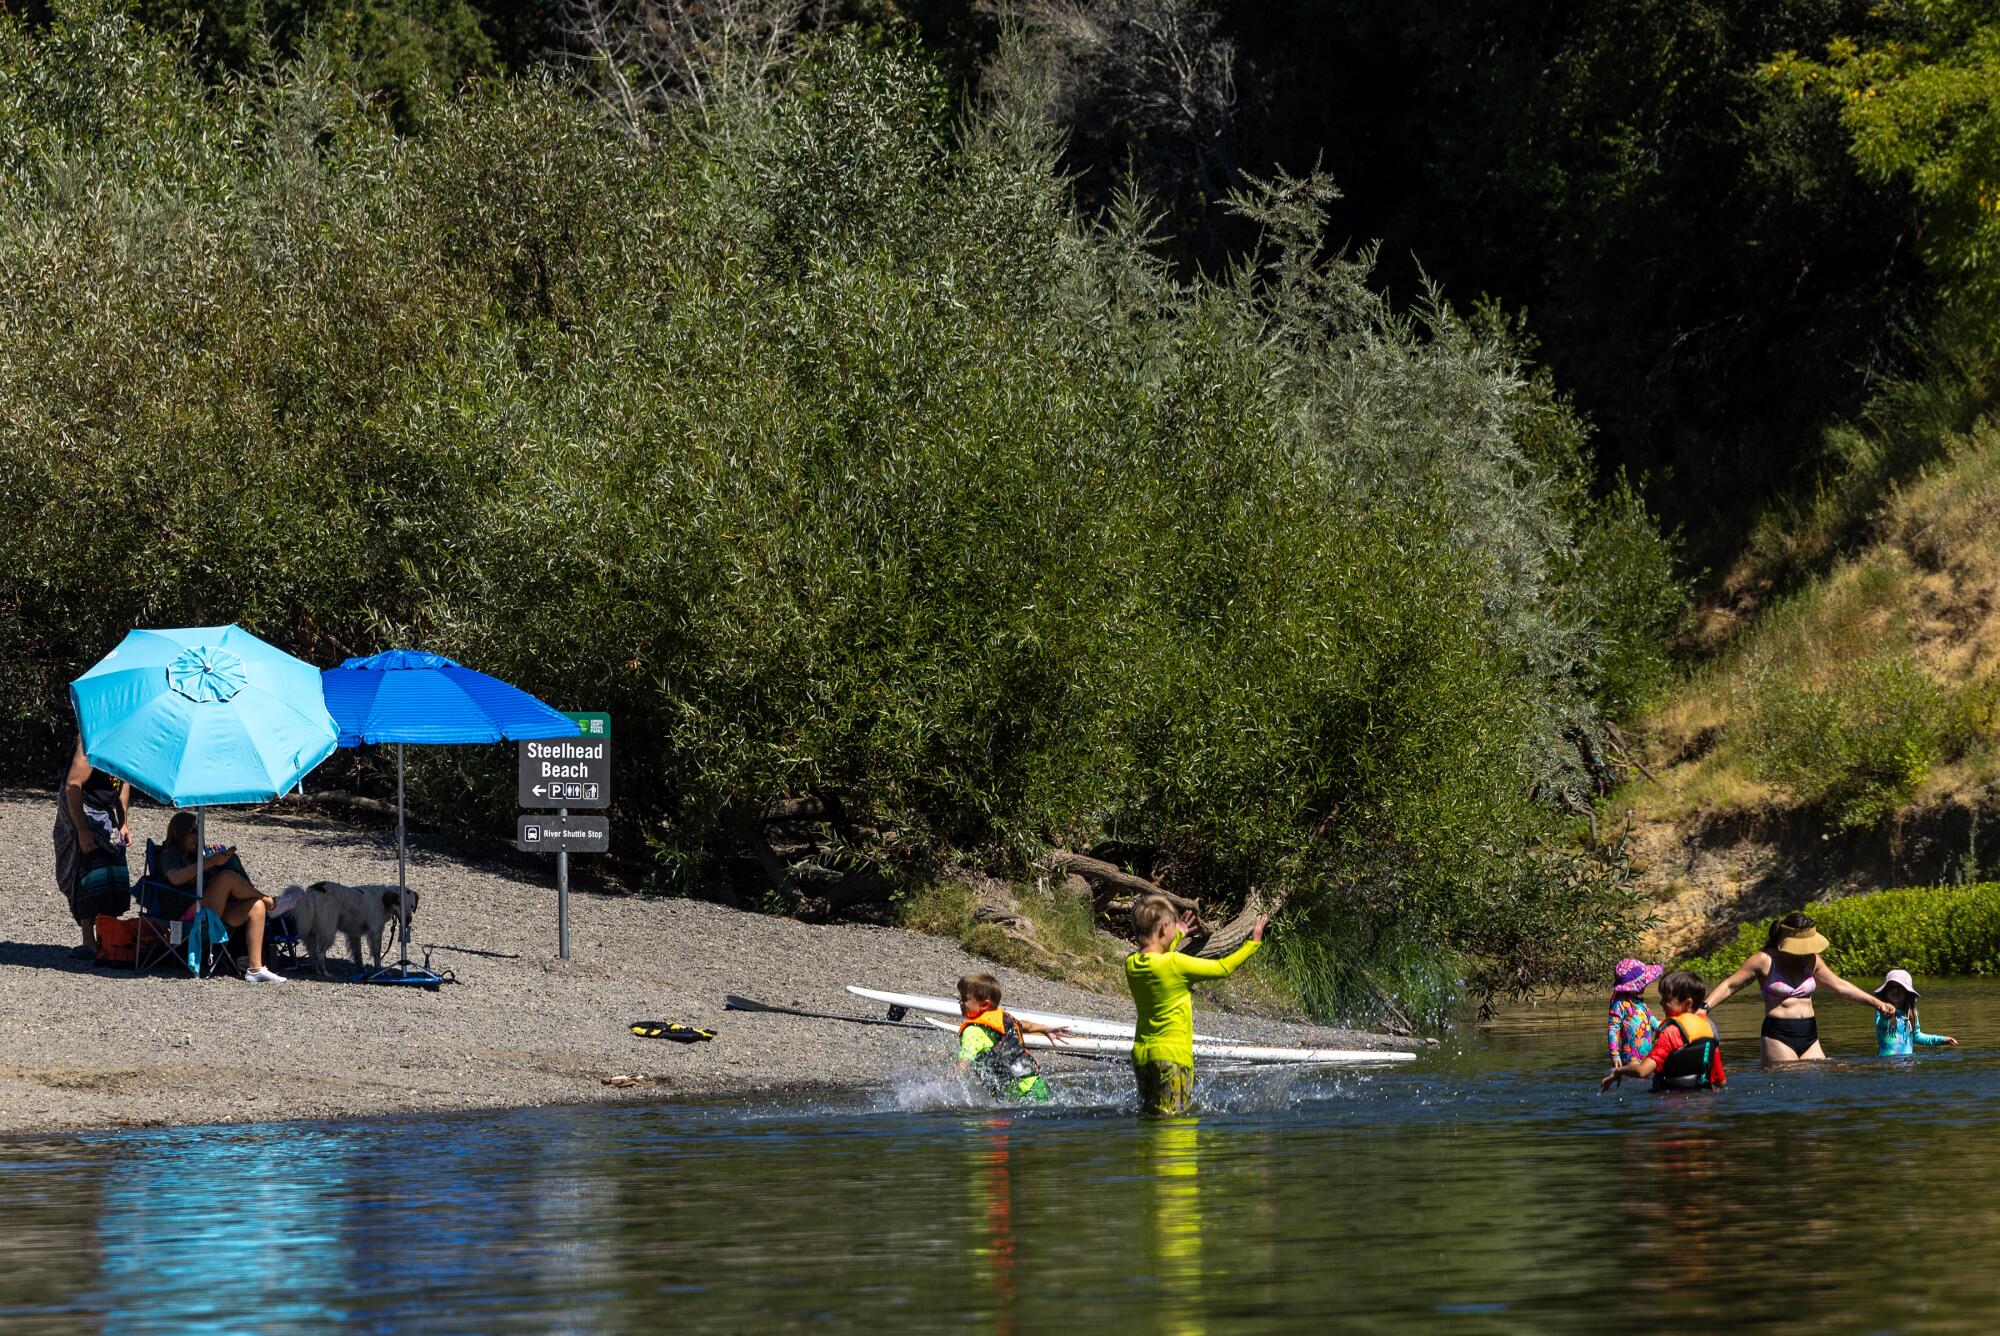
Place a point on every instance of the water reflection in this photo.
(1494, 1191)
(1174, 1222)
(198, 1231)
(993, 1214)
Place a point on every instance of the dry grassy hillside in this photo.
(1845, 737)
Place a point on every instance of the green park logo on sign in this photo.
(591, 723)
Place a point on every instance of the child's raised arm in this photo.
(1056, 1032)
(1201, 967)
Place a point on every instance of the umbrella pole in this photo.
(403, 971)
(200, 865)
(402, 872)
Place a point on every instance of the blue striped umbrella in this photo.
(405, 696)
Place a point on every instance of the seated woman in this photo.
(225, 888)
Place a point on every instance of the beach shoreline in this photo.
(90, 1049)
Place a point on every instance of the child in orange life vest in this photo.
(1687, 1054)
(989, 1041)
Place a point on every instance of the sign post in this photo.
(566, 773)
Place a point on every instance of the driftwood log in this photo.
(794, 809)
(1108, 879)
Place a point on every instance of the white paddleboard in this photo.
(948, 1007)
(1233, 1052)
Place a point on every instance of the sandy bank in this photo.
(85, 1047)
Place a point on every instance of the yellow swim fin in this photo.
(680, 1034)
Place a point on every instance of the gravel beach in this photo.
(89, 1048)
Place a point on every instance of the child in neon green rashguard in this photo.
(1159, 976)
(989, 1042)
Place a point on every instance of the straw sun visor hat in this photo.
(1806, 942)
(1902, 979)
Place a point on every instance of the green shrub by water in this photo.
(1862, 744)
(1926, 930)
(819, 440)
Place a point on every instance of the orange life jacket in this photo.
(1008, 1058)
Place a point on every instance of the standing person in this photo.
(1899, 1035)
(91, 836)
(1629, 1029)
(1789, 970)
(1159, 975)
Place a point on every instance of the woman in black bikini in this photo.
(1789, 970)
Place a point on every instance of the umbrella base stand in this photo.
(403, 972)
(420, 975)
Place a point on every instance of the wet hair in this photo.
(1794, 924)
(979, 988)
(1681, 986)
(179, 828)
(1150, 914)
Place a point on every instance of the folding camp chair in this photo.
(174, 924)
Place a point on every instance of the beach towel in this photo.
(207, 932)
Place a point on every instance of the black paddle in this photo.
(735, 1003)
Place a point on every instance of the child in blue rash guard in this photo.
(1899, 1036)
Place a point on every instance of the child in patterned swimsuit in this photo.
(1631, 1026)
(1900, 1035)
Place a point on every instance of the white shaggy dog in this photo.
(328, 910)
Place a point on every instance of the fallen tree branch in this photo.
(1109, 878)
(342, 798)
(857, 888)
(777, 870)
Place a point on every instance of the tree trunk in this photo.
(1237, 931)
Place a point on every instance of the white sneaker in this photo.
(261, 975)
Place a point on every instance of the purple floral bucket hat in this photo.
(1635, 976)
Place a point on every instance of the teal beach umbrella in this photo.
(203, 715)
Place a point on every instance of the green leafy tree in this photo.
(819, 438)
(1918, 91)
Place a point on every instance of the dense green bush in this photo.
(820, 441)
(1861, 744)
(1928, 931)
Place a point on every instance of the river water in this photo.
(1489, 1188)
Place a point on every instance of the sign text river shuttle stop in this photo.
(564, 773)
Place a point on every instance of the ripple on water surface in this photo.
(1488, 1188)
